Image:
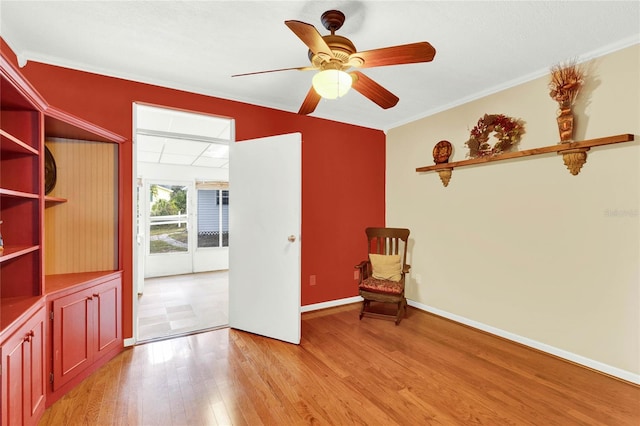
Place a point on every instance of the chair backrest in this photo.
(388, 241)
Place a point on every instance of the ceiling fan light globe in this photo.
(331, 84)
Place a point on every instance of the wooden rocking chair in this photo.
(382, 276)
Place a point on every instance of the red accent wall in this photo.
(343, 168)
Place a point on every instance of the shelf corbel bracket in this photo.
(574, 159)
(445, 175)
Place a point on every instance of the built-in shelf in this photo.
(11, 252)
(61, 282)
(14, 308)
(10, 143)
(568, 148)
(49, 201)
(17, 194)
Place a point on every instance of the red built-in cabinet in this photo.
(23, 369)
(86, 323)
(60, 306)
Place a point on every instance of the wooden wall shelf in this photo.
(569, 148)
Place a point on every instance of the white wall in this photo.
(522, 247)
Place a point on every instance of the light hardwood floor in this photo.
(181, 304)
(427, 370)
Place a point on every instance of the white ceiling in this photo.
(169, 136)
(482, 47)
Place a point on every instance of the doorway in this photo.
(175, 305)
(181, 254)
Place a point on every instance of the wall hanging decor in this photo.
(506, 130)
(566, 81)
(441, 153)
(50, 171)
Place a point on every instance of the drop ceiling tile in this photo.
(176, 159)
(148, 157)
(184, 147)
(212, 162)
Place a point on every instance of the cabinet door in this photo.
(35, 376)
(23, 374)
(13, 380)
(72, 336)
(106, 302)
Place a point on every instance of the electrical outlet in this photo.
(356, 275)
(312, 280)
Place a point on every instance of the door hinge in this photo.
(51, 378)
(51, 315)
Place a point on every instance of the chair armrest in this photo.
(362, 264)
(364, 268)
(406, 269)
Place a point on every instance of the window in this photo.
(213, 217)
(168, 219)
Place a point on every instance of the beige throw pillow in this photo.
(386, 267)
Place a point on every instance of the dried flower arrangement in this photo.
(566, 81)
(507, 130)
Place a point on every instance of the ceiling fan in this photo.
(333, 56)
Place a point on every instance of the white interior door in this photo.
(264, 236)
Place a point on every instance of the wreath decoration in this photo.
(507, 130)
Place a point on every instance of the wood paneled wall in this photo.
(81, 234)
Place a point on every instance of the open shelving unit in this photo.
(80, 226)
(21, 272)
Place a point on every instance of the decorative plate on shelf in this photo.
(50, 174)
(442, 152)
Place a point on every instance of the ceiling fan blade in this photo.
(310, 102)
(372, 90)
(281, 69)
(311, 37)
(395, 55)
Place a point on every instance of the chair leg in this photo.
(365, 303)
(402, 310)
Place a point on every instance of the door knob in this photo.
(292, 238)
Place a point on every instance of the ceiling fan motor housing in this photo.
(332, 20)
(341, 47)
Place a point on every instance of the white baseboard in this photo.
(129, 342)
(578, 359)
(330, 304)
